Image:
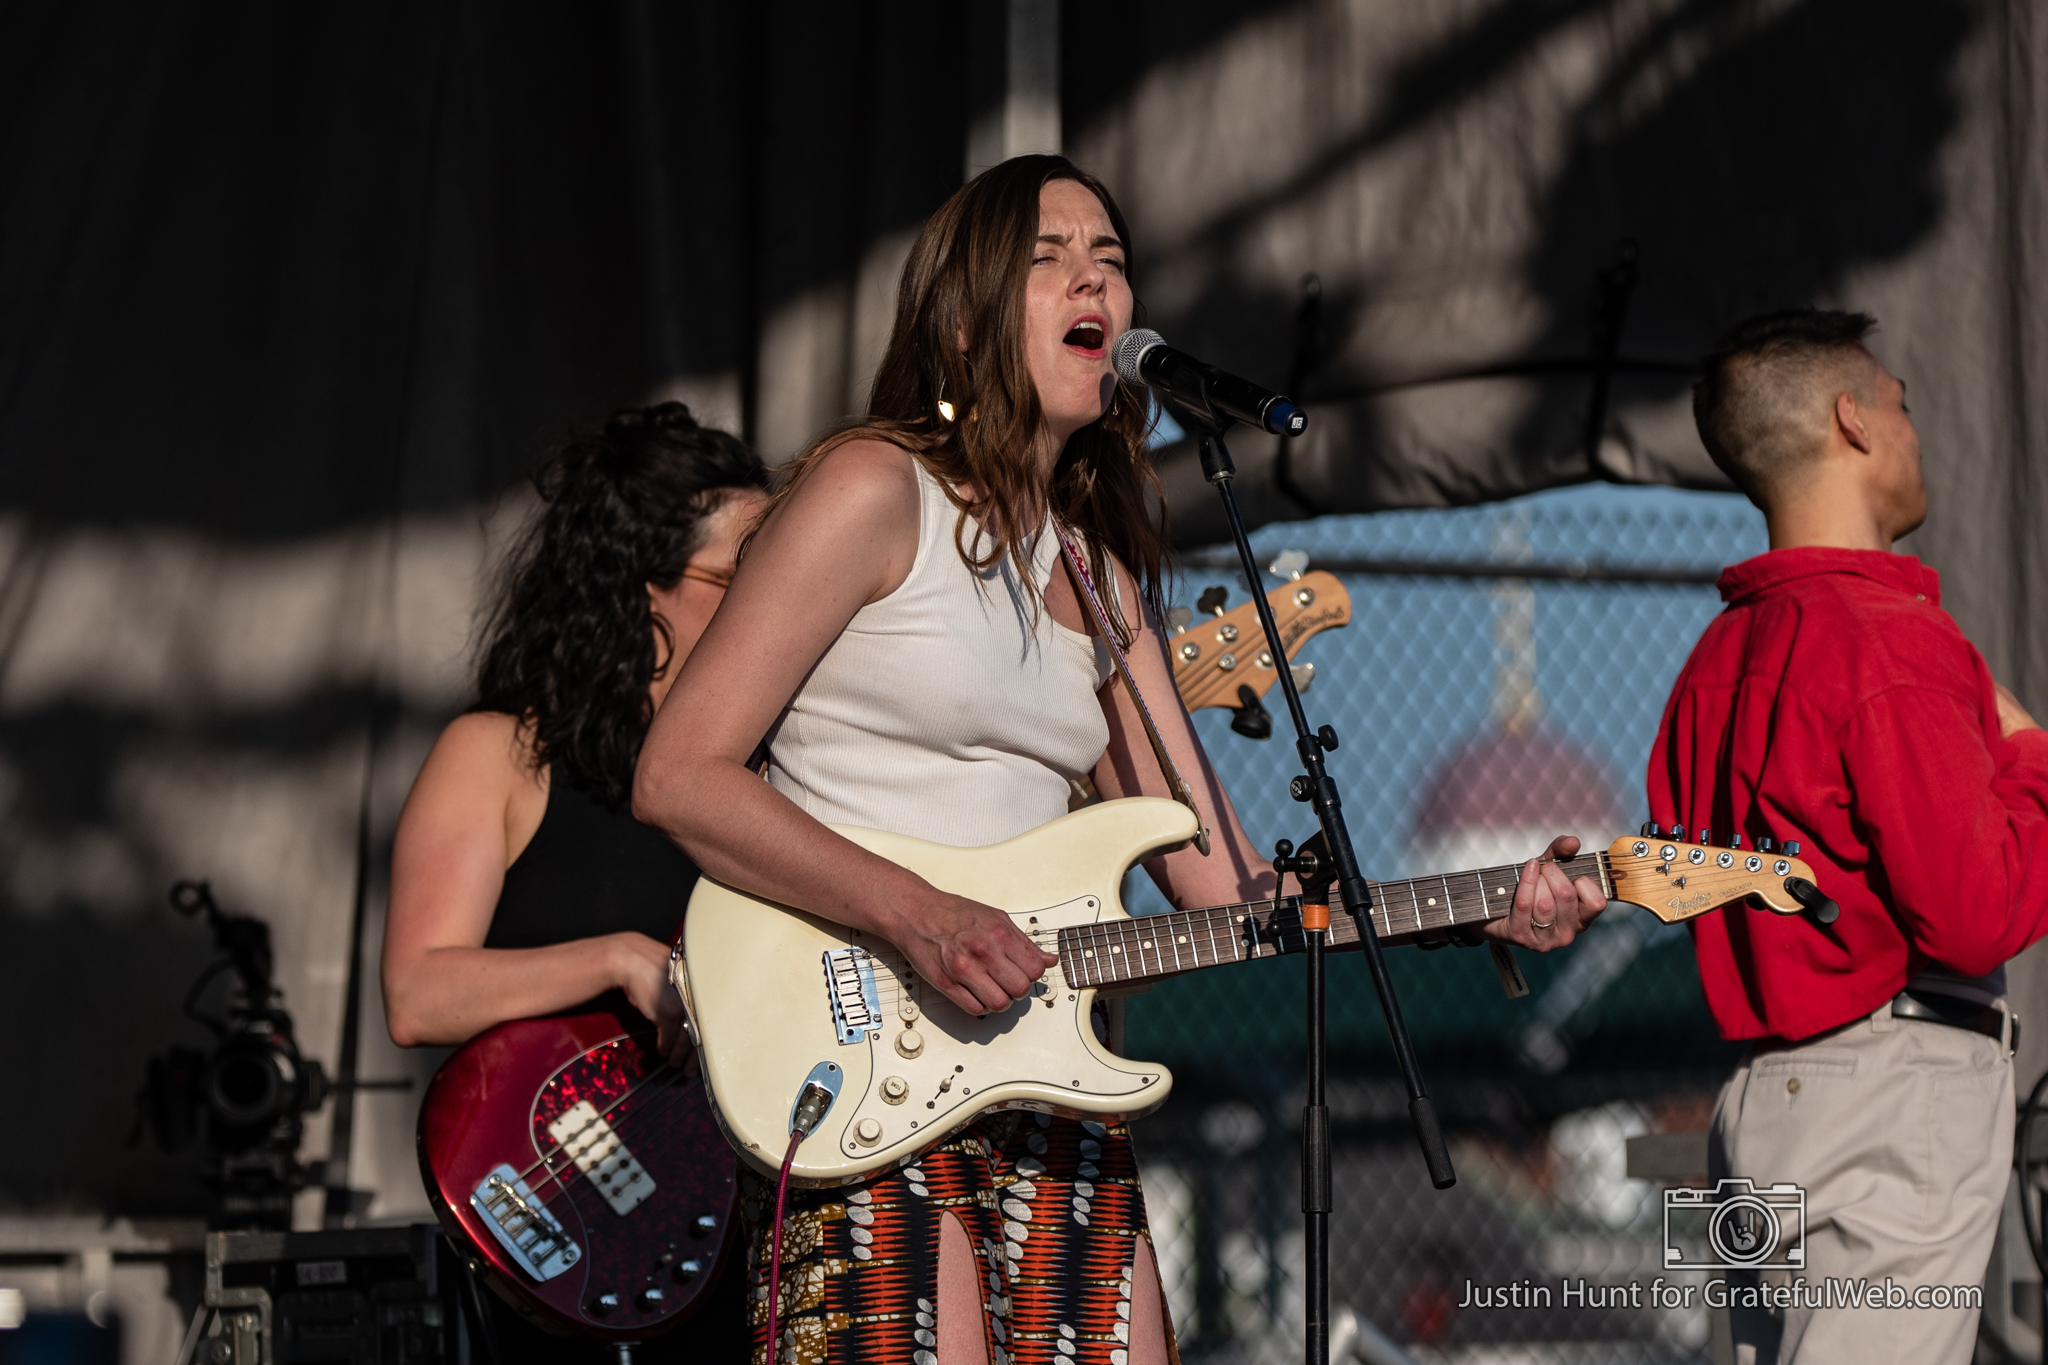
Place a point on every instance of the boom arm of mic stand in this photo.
(1220, 470)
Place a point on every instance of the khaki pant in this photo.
(1900, 1132)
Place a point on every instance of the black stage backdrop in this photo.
(290, 297)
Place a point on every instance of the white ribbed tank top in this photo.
(941, 711)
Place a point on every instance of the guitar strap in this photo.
(1175, 783)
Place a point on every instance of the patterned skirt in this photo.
(1051, 1206)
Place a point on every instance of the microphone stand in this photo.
(1315, 787)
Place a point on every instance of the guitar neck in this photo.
(1119, 951)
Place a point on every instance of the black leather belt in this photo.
(1946, 1009)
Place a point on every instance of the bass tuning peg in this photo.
(1649, 829)
(1764, 845)
(1289, 564)
(1212, 600)
(1791, 848)
(1735, 841)
(1251, 719)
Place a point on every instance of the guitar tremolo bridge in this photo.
(850, 985)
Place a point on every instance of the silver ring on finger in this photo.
(1535, 923)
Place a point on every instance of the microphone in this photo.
(1142, 357)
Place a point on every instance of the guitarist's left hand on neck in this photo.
(1550, 908)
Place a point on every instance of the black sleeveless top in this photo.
(588, 871)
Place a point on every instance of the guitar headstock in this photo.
(1214, 655)
(1677, 881)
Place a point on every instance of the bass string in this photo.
(562, 1148)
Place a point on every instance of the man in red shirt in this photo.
(1835, 706)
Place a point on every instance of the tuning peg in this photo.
(1763, 845)
(1706, 837)
(1289, 564)
(1735, 841)
(1178, 618)
(1212, 600)
(1817, 903)
(1304, 674)
(1677, 830)
(1251, 719)
(1791, 848)
(1649, 829)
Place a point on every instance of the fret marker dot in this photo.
(1088, 952)
(1182, 939)
(1115, 948)
(1500, 891)
(1432, 900)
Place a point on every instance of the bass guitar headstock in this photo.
(1677, 881)
(1217, 652)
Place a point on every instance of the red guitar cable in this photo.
(811, 1107)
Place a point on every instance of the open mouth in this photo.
(1086, 335)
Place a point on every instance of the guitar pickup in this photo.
(850, 981)
(602, 1157)
(523, 1225)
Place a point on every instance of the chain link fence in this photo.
(1500, 682)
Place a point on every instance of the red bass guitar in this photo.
(584, 1178)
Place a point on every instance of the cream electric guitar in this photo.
(779, 997)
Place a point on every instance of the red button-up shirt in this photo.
(1835, 703)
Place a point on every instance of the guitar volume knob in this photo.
(604, 1305)
(867, 1132)
(910, 1042)
(895, 1089)
(651, 1299)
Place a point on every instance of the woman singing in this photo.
(931, 671)
(521, 885)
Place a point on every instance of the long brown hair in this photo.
(966, 275)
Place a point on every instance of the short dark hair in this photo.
(1759, 400)
(566, 643)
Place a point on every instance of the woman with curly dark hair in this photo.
(521, 885)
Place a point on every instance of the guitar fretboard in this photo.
(1155, 946)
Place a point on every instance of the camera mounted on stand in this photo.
(245, 1098)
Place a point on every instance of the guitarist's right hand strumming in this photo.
(973, 953)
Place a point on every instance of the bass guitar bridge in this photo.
(523, 1225)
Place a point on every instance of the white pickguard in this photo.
(763, 1004)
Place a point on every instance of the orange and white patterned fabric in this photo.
(1052, 1207)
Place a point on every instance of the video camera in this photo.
(247, 1096)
